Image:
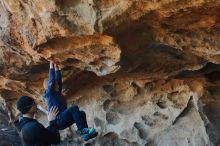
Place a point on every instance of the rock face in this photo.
(8, 134)
(146, 72)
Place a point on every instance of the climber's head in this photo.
(26, 105)
(55, 86)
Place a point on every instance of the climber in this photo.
(31, 131)
(66, 116)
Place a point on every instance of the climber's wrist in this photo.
(51, 65)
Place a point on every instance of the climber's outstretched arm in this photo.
(58, 77)
(51, 78)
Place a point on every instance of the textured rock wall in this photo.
(8, 134)
(145, 71)
(142, 112)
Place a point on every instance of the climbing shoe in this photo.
(93, 133)
(87, 134)
(85, 131)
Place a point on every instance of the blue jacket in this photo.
(34, 134)
(53, 97)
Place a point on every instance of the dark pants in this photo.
(70, 116)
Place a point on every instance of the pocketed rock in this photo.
(133, 66)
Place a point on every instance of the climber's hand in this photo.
(57, 67)
(51, 64)
(53, 113)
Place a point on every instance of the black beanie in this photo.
(24, 104)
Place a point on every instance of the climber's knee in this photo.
(83, 114)
(74, 108)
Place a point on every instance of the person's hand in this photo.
(56, 67)
(51, 64)
(53, 113)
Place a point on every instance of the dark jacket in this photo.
(53, 97)
(34, 134)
